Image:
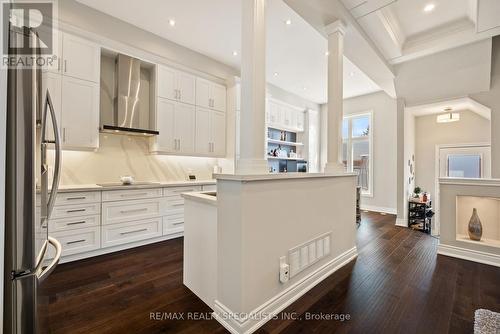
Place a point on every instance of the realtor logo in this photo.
(28, 34)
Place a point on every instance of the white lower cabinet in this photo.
(127, 232)
(78, 240)
(97, 222)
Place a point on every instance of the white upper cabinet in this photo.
(81, 58)
(218, 125)
(80, 114)
(203, 132)
(210, 132)
(284, 116)
(210, 95)
(176, 124)
(176, 85)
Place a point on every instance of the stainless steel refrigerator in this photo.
(27, 244)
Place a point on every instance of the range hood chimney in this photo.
(127, 117)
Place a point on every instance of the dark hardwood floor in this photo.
(396, 285)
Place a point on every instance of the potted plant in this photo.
(417, 192)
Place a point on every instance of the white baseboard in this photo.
(401, 222)
(246, 324)
(381, 209)
(470, 255)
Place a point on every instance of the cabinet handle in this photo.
(134, 210)
(58, 64)
(65, 66)
(64, 135)
(178, 204)
(76, 210)
(128, 195)
(75, 198)
(135, 231)
(179, 141)
(76, 223)
(178, 223)
(75, 242)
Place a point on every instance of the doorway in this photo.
(471, 161)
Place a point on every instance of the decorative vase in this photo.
(475, 226)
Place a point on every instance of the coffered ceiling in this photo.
(407, 29)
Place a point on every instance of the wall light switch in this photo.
(284, 270)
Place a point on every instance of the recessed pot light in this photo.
(171, 22)
(235, 53)
(276, 74)
(429, 7)
(327, 53)
(351, 74)
(288, 22)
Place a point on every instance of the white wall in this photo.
(449, 74)
(471, 128)
(384, 148)
(491, 99)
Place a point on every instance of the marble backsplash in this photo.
(128, 155)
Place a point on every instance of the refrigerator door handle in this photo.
(48, 205)
(44, 273)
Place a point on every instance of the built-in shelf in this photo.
(280, 158)
(484, 242)
(283, 142)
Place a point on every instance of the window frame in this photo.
(350, 140)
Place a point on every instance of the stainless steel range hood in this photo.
(127, 113)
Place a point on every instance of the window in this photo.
(465, 166)
(357, 148)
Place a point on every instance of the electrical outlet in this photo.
(284, 270)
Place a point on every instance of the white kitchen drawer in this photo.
(123, 233)
(173, 224)
(175, 202)
(177, 191)
(210, 187)
(74, 198)
(78, 241)
(77, 210)
(64, 224)
(130, 194)
(117, 212)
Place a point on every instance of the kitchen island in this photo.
(265, 240)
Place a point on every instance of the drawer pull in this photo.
(75, 242)
(135, 231)
(134, 210)
(129, 195)
(76, 210)
(76, 223)
(178, 223)
(177, 204)
(183, 190)
(75, 198)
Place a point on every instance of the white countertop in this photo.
(95, 187)
(201, 196)
(280, 176)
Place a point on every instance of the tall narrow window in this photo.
(357, 149)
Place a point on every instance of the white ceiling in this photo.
(296, 52)
(456, 105)
(402, 30)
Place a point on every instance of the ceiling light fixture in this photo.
(235, 53)
(327, 53)
(171, 22)
(351, 74)
(429, 7)
(304, 88)
(448, 117)
(276, 74)
(288, 22)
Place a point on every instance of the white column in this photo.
(253, 88)
(335, 32)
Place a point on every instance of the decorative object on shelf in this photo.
(417, 191)
(475, 227)
(424, 197)
(293, 154)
